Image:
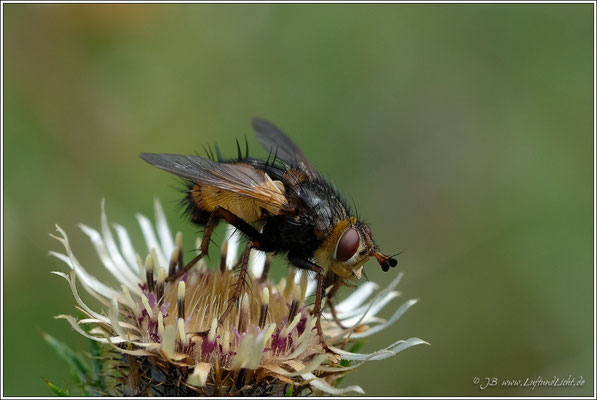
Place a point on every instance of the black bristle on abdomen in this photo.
(188, 206)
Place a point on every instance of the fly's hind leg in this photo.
(234, 300)
(216, 214)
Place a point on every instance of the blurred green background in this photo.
(464, 133)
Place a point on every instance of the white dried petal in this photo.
(167, 244)
(150, 239)
(200, 373)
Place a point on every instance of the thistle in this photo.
(165, 337)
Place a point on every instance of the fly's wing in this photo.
(273, 139)
(237, 178)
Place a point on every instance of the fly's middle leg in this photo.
(216, 214)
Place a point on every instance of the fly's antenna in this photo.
(397, 254)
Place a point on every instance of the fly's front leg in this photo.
(303, 263)
(330, 302)
(216, 214)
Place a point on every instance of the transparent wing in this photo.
(237, 178)
(277, 142)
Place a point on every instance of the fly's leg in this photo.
(330, 301)
(216, 214)
(234, 301)
(303, 263)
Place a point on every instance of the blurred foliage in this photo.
(464, 133)
(85, 368)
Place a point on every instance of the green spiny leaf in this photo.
(96, 364)
(57, 391)
(289, 391)
(78, 366)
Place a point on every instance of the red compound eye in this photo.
(348, 245)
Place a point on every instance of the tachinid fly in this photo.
(282, 206)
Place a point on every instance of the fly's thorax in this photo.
(345, 250)
(322, 206)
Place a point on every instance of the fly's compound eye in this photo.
(348, 245)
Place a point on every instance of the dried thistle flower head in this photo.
(164, 337)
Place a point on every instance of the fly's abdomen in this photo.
(205, 198)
